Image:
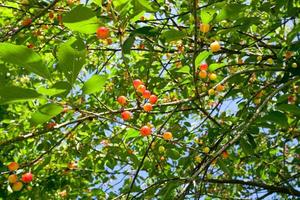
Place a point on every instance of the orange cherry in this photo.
(147, 107)
(17, 186)
(220, 88)
(141, 89)
(145, 131)
(203, 74)
(13, 166)
(126, 115)
(122, 100)
(167, 136)
(225, 154)
(12, 178)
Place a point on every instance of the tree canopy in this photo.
(149, 99)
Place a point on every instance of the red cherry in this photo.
(147, 94)
(147, 107)
(141, 89)
(26, 22)
(203, 66)
(102, 32)
(27, 177)
(145, 131)
(126, 115)
(122, 100)
(153, 99)
(51, 125)
(137, 83)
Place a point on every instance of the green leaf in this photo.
(23, 57)
(173, 35)
(146, 30)
(60, 89)
(289, 108)
(207, 15)
(174, 154)
(215, 66)
(145, 5)
(94, 84)
(201, 57)
(12, 94)
(71, 57)
(247, 148)
(223, 167)
(126, 48)
(131, 133)
(97, 2)
(184, 69)
(276, 117)
(230, 11)
(45, 113)
(81, 19)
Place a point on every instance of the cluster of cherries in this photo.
(152, 99)
(212, 76)
(13, 178)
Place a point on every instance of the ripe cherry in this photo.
(126, 115)
(137, 83)
(102, 32)
(145, 131)
(122, 100)
(204, 66)
(27, 177)
(147, 107)
(147, 94)
(26, 22)
(153, 99)
(51, 125)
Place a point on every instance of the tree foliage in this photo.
(235, 125)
